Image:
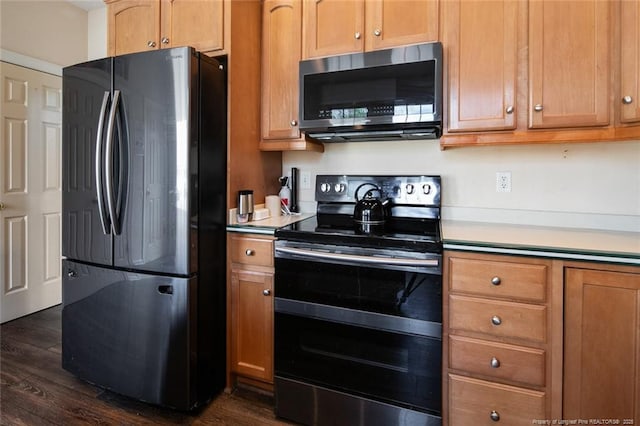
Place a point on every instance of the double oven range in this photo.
(358, 311)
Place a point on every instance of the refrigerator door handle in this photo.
(104, 220)
(109, 163)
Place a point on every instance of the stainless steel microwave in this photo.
(379, 95)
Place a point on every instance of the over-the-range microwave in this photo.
(379, 95)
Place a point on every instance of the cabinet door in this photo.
(332, 27)
(482, 54)
(133, 26)
(391, 23)
(602, 345)
(569, 63)
(281, 52)
(252, 324)
(630, 62)
(197, 23)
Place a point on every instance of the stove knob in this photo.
(409, 188)
(325, 187)
(426, 188)
(339, 187)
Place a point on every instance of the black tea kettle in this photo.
(370, 212)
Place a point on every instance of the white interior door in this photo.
(30, 191)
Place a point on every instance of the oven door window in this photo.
(396, 368)
(398, 293)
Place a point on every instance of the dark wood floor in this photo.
(35, 390)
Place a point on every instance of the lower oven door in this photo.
(359, 328)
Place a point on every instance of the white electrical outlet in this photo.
(503, 181)
(305, 180)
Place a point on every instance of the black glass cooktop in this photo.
(421, 235)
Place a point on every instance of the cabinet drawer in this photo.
(474, 402)
(498, 279)
(498, 318)
(251, 250)
(497, 360)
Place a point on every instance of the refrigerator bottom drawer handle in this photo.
(165, 289)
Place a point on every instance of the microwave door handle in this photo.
(371, 260)
(104, 220)
(109, 163)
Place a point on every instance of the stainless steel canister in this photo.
(245, 205)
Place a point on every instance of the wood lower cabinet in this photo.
(251, 307)
(281, 53)
(499, 340)
(139, 25)
(602, 344)
(334, 27)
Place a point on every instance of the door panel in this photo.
(160, 152)
(129, 332)
(83, 237)
(29, 191)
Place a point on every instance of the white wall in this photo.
(97, 37)
(51, 31)
(590, 185)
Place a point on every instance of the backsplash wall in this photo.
(591, 185)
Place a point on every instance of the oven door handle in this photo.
(371, 260)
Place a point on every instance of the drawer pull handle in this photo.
(266, 292)
(496, 280)
(250, 252)
(495, 362)
(495, 320)
(495, 416)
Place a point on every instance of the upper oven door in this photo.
(374, 287)
(401, 87)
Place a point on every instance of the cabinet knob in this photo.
(496, 281)
(495, 320)
(495, 416)
(357, 35)
(495, 362)
(509, 109)
(294, 123)
(165, 40)
(377, 32)
(266, 292)
(538, 107)
(249, 252)
(627, 100)
(2, 206)
(151, 43)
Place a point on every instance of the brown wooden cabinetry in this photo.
(602, 344)
(251, 306)
(541, 71)
(138, 25)
(281, 52)
(333, 27)
(569, 66)
(481, 41)
(497, 337)
(629, 99)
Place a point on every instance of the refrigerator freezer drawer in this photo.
(130, 333)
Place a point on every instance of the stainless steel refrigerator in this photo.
(143, 223)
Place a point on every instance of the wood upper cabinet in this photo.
(481, 55)
(629, 99)
(569, 65)
(281, 53)
(602, 345)
(138, 25)
(133, 26)
(333, 27)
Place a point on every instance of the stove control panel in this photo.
(416, 190)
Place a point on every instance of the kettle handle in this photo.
(375, 188)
